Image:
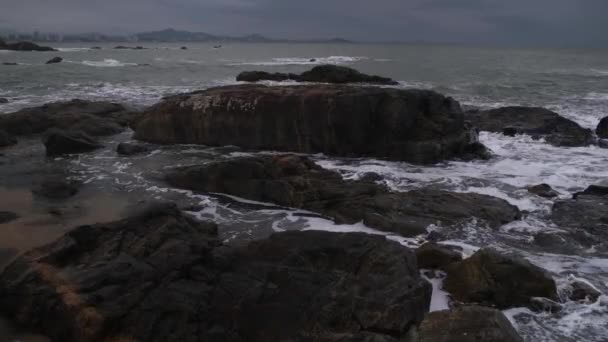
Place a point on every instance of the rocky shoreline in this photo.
(160, 274)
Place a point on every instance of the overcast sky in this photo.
(542, 22)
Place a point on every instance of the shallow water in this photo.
(575, 83)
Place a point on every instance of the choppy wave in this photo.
(74, 49)
(305, 61)
(107, 63)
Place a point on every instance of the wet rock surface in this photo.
(161, 276)
(54, 60)
(534, 121)
(543, 190)
(492, 279)
(59, 142)
(418, 126)
(602, 128)
(297, 182)
(93, 118)
(131, 149)
(435, 256)
(582, 291)
(467, 324)
(56, 187)
(320, 74)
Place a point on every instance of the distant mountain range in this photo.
(167, 35)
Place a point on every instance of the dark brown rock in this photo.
(467, 324)
(411, 125)
(160, 276)
(534, 121)
(63, 142)
(435, 256)
(543, 190)
(54, 60)
(602, 128)
(297, 182)
(492, 279)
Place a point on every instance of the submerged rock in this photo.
(319, 74)
(467, 324)
(543, 190)
(63, 142)
(418, 126)
(130, 149)
(23, 46)
(602, 128)
(7, 216)
(54, 60)
(435, 256)
(295, 181)
(161, 276)
(6, 139)
(534, 121)
(91, 117)
(490, 278)
(57, 188)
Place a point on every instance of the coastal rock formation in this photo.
(319, 74)
(297, 182)
(6, 139)
(490, 278)
(91, 117)
(467, 324)
(161, 276)
(59, 142)
(23, 46)
(543, 190)
(54, 60)
(418, 126)
(130, 149)
(435, 256)
(602, 128)
(534, 121)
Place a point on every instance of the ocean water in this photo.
(571, 82)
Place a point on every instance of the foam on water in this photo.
(305, 61)
(108, 63)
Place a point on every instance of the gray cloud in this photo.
(541, 22)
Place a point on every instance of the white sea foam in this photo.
(75, 49)
(304, 61)
(107, 63)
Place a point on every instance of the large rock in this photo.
(93, 118)
(63, 142)
(602, 128)
(467, 324)
(23, 46)
(297, 182)
(320, 74)
(534, 121)
(435, 256)
(160, 276)
(489, 278)
(412, 125)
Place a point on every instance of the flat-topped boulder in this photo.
(162, 276)
(96, 118)
(23, 46)
(297, 182)
(535, 121)
(418, 126)
(318, 74)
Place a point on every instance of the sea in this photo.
(571, 82)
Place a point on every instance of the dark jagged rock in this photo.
(537, 122)
(6, 139)
(593, 190)
(23, 46)
(57, 188)
(59, 142)
(319, 74)
(543, 190)
(130, 149)
(161, 276)
(581, 291)
(418, 126)
(435, 256)
(184, 48)
(297, 182)
(602, 128)
(467, 324)
(7, 216)
(55, 60)
(490, 278)
(122, 47)
(3, 100)
(9, 63)
(93, 118)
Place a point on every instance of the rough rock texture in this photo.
(130, 149)
(468, 324)
(56, 188)
(6, 139)
(320, 74)
(581, 291)
(295, 181)
(23, 46)
(55, 60)
(602, 128)
(63, 142)
(7, 216)
(490, 278)
(543, 190)
(537, 122)
(161, 276)
(435, 256)
(93, 118)
(412, 125)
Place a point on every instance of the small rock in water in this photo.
(95, 48)
(602, 128)
(7, 216)
(56, 188)
(581, 291)
(603, 143)
(129, 149)
(54, 60)
(9, 63)
(510, 131)
(371, 177)
(313, 60)
(435, 256)
(543, 190)
(62, 142)
(3, 100)
(184, 48)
